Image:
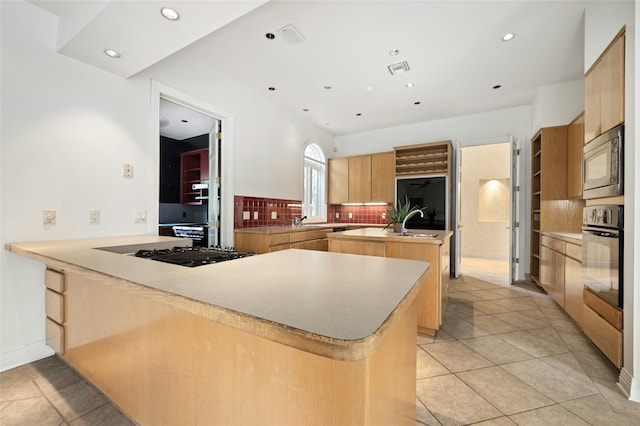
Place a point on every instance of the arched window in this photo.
(313, 203)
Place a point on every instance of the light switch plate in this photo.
(337, 215)
(246, 215)
(140, 216)
(255, 215)
(274, 215)
(128, 170)
(350, 215)
(94, 217)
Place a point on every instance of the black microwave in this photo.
(603, 165)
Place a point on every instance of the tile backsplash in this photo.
(252, 212)
(260, 211)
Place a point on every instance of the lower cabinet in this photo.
(573, 288)
(433, 298)
(55, 309)
(266, 242)
(552, 273)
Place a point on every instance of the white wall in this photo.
(557, 104)
(67, 129)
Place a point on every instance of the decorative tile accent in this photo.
(359, 214)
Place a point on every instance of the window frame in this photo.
(314, 160)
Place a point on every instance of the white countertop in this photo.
(337, 296)
(435, 236)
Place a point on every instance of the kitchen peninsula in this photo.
(291, 337)
(432, 246)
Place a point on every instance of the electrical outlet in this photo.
(49, 217)
(384, 215)
(140, 216)
(246, 215)
(255, 215)
(128, 170)
(274, 215)
(337, 215)
(350, 215)
(94, 217)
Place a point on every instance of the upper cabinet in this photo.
(604, 91)
(575, 145)
(362, 179)
(338, 180)
(383, 177)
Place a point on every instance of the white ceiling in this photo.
(454, 50)
(179, 122)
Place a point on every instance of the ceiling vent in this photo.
(290, 34)
(398, 68)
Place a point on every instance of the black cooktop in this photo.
(192, 256)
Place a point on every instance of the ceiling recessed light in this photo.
(394, 52)
(185, 121)
(369, 89)
(508, 36)
(272, 88)
(497, 86)
(358, 114)
(112, 53)
(408, 85)
(270, 36)
(417, 103)
(305, 109)
(327, 87)
(170, 14)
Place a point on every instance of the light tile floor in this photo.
(504, 356)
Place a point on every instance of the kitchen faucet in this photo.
(404, 230)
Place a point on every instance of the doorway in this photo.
(485, 212)
(219, 197)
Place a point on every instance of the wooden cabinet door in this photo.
(366, 248)
(338, 180)
(575, 155)
(592, 104)
(573, 288)
(612, 86)
(552, 274)
(383, 172)
(553, 163)
(360, 179)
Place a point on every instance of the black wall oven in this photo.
(603, 165)
(602, 245)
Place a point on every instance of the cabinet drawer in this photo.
(54, 306)
(603, 335)
(553, 244)
(308, 235)
(54, 334)
(279, 247)
(575, 251)
(607, 311)
(276, 239)
(54, 280)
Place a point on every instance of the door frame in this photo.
(515, 219)
(160, 90)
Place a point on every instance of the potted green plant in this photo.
(397, 214)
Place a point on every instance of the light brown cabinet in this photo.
(383, 177)
(604, 90)
(433, 298)
(575, 155)
(573, 288)
(267, 241)
(362, 179)
(338, 180)
(552, 273)
(561, 274)
(55, 309)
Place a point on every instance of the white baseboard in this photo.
(24, 355)
(629, 385)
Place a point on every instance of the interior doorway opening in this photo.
(485, 212)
